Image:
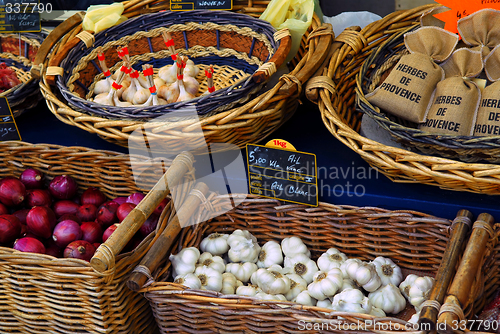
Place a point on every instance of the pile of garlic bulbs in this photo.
(236, 264)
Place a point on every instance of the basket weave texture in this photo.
(241, 124)
(42, 294)
(335, 92)
(414, 241)
(18, 53)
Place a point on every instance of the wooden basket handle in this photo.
(104, 257)
(51, 40)
(319, 59)
(163, 244)
(268, 69)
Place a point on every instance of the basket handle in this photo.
(51, 40)
(317, 61)
(163, 244)
(103, 258)
(264, 73)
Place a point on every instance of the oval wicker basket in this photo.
(335, 93)
(43, 294)
(244, 123)
(18, 52)
(464, 148)
(236, 44)
(364, 233)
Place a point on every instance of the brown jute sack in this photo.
(429, 20)
(407, 90)
(488, 114)
(456, 100)
(481, 30)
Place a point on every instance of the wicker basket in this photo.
(335, 92)
(464, 148)
(42, 294)
(415, 241)
(18, 52)
(243, 123)
(236, 45)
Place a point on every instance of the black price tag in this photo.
(180, 5)
(282, 174)
(21, 15)
(8, 126)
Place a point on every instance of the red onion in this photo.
(21, 215)
(161, 206)
(12, 191)
(93, 196)
(3, 210)
(41, 220)
(38, 197)
(123, 211)
(69, 216)
(32, 178)
(29, 245)
(109, 231)
(65, 207)
(66, 232)
(135, 198)
(52, 249)
(149, 225)
(10, 228)
(92, 232)
(96, 245)
(120, 200)
(87, 212)
(79, 249)
(63, 187)
(76, 199)
(106, 215)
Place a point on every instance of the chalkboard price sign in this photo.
(282, 174)
(21, 15)
(8, 126)
(180, 5)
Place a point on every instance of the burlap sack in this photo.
(407, 90)
(481, 30)
(492, 64)
(488, 114)
(454, 107)
(429, 20)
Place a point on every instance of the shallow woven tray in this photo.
(18, 52)
(219, 38)
(335, 93)
(42, 294)
(463, 148)
(245, 123)
(414, 241)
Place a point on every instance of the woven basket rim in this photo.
(225, 97)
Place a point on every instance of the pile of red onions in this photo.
(39, 216)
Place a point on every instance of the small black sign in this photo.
(20, 15)
(282, 174)
(180, 5)
(8, 126)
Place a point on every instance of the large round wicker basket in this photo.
(243, 123)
